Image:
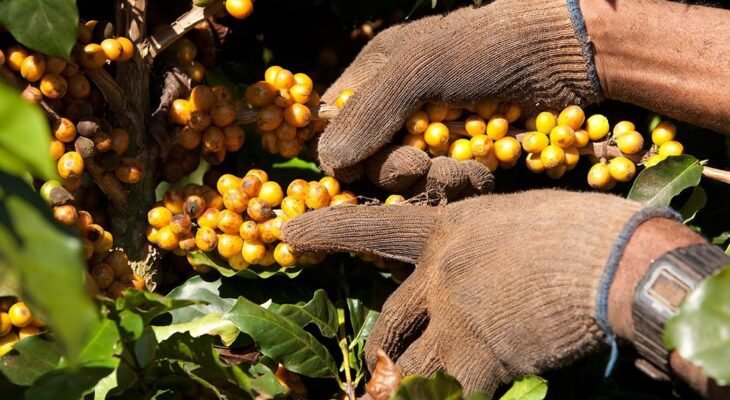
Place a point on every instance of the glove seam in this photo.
(581, 32)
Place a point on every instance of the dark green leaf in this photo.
(694, 204)
(319, 311)
(102, 345)
(253, 272)
(30, 358)
(48, 26)
(438, 387)
(283, 340)
(47, 262)
(120, 379)
(700, 331)
(68, 383)
(24, 132)
(148, 305)
(657, 186)
(528, 387)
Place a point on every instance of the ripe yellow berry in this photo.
(317, 196)
(622, 169)
(229, 245)
(259, 210)
(70, 165)
(481, 145)
(436, 112)
(206, 239)
(512, 112)
(298, 115)
(166, 239)
(113, 49)
(271, 72)
(5, 325)
(664, 132)
(293, 207)
(284, 79)
(436, 135)
(671, 148)
(534, 163)
(599, 177)
(340, 199)
(461, 150)
(159, 217)
(416, 141)
(15, 57)
(259, 173)
(597, 126)
(28, 331)
(127, 49)
(53, 86)
(229, 222)
(285, 255)
(545, 122)
(304, 80)
(487, 108)
(253, 251)
(180, 111)
(535, 142)
(562, 136)
(497, 127)
(92, 56)
(557, 172)
(417, 123)
(572, 116)
(490, 161)
(630, 142)
(623, 127)
(209, 218)
(237, 262)
(654, 160)
(298, 189)
(394, 199)
(331, 184)
(268, 259)
(572, 156)
(33, 67)
(581, 138)
(271, 193)
(236, 200)
(475, 126)
(249, 230)
(507, 149)
(20, 315)
(552, 156)
(7, 342)
(343, 98)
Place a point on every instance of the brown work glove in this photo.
(529, 52)
(504, 284)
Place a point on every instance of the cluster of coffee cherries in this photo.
(186, 51)
(284, 118)
(16, 323)
(97, 45)
(109, 271)
(241, 219)
(207, 121)
(80, 132)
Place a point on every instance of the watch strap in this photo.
(658, 295)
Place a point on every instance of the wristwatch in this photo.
(658, 295)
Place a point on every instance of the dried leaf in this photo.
(386, 378)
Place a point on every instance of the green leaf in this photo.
(47, 262)
(283, 340)
(120, 379)
(211, 324)
(253, 272)
(148, 305)
(528, 387)
(48, 26)
(298, 164)
(68, 383)
(25, 135)
(31, 358)
(657, 186)
(439, 387)
(694, 204)
(208, 296)
(102, 345)
(700, 331)
(319, 311)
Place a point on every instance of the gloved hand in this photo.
(504, 284)
(529, 52)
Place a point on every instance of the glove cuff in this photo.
(581, 32)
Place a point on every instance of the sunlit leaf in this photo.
(528, 387)
(657, 186)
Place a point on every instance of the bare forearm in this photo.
(668, 57)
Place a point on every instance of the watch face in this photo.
(666, 289)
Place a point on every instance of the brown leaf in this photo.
(295, 389)
(386, 378)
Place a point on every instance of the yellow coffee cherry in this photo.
(298, 189)
(630, 142)
(253, 251)
(572, 116)
(507, 149)
(159, 217)
(622, 169)
(293, 207)
(487, 108)
(599, 177)
(331, 184)
(229, 245)
(271, 193)
(28, 331)
(623, 127)
(497, 127)
(535, 142)
(7, 342)
(671, 148)
(417, 123)
(416, 141)
(545, 122)
(436, 112)
(340, 199)
(436, 135)
(597, 127)
(394, 199)
(268, 259)
(227, 182)
(229, 221)
(572, 156)
(556, 172)
(534, 163)
(238, 263)
(5, 325)
(581, 138)
(453, 114)
(166, 239)
(461, 150)
(236, 200)
(285, 255)
(664, 132)
(489, 161)
(206, 239)
(531, 124)
(512, 112)
(562, 136)
(20, 315)
(269, 231)
(475, 125)
(343, 98)
(552, 156)
(481, 145)
(654, 160)
(317, 196)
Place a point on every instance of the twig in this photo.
(113, 94)
(321, 112)
(165, 38)
(716, 174)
